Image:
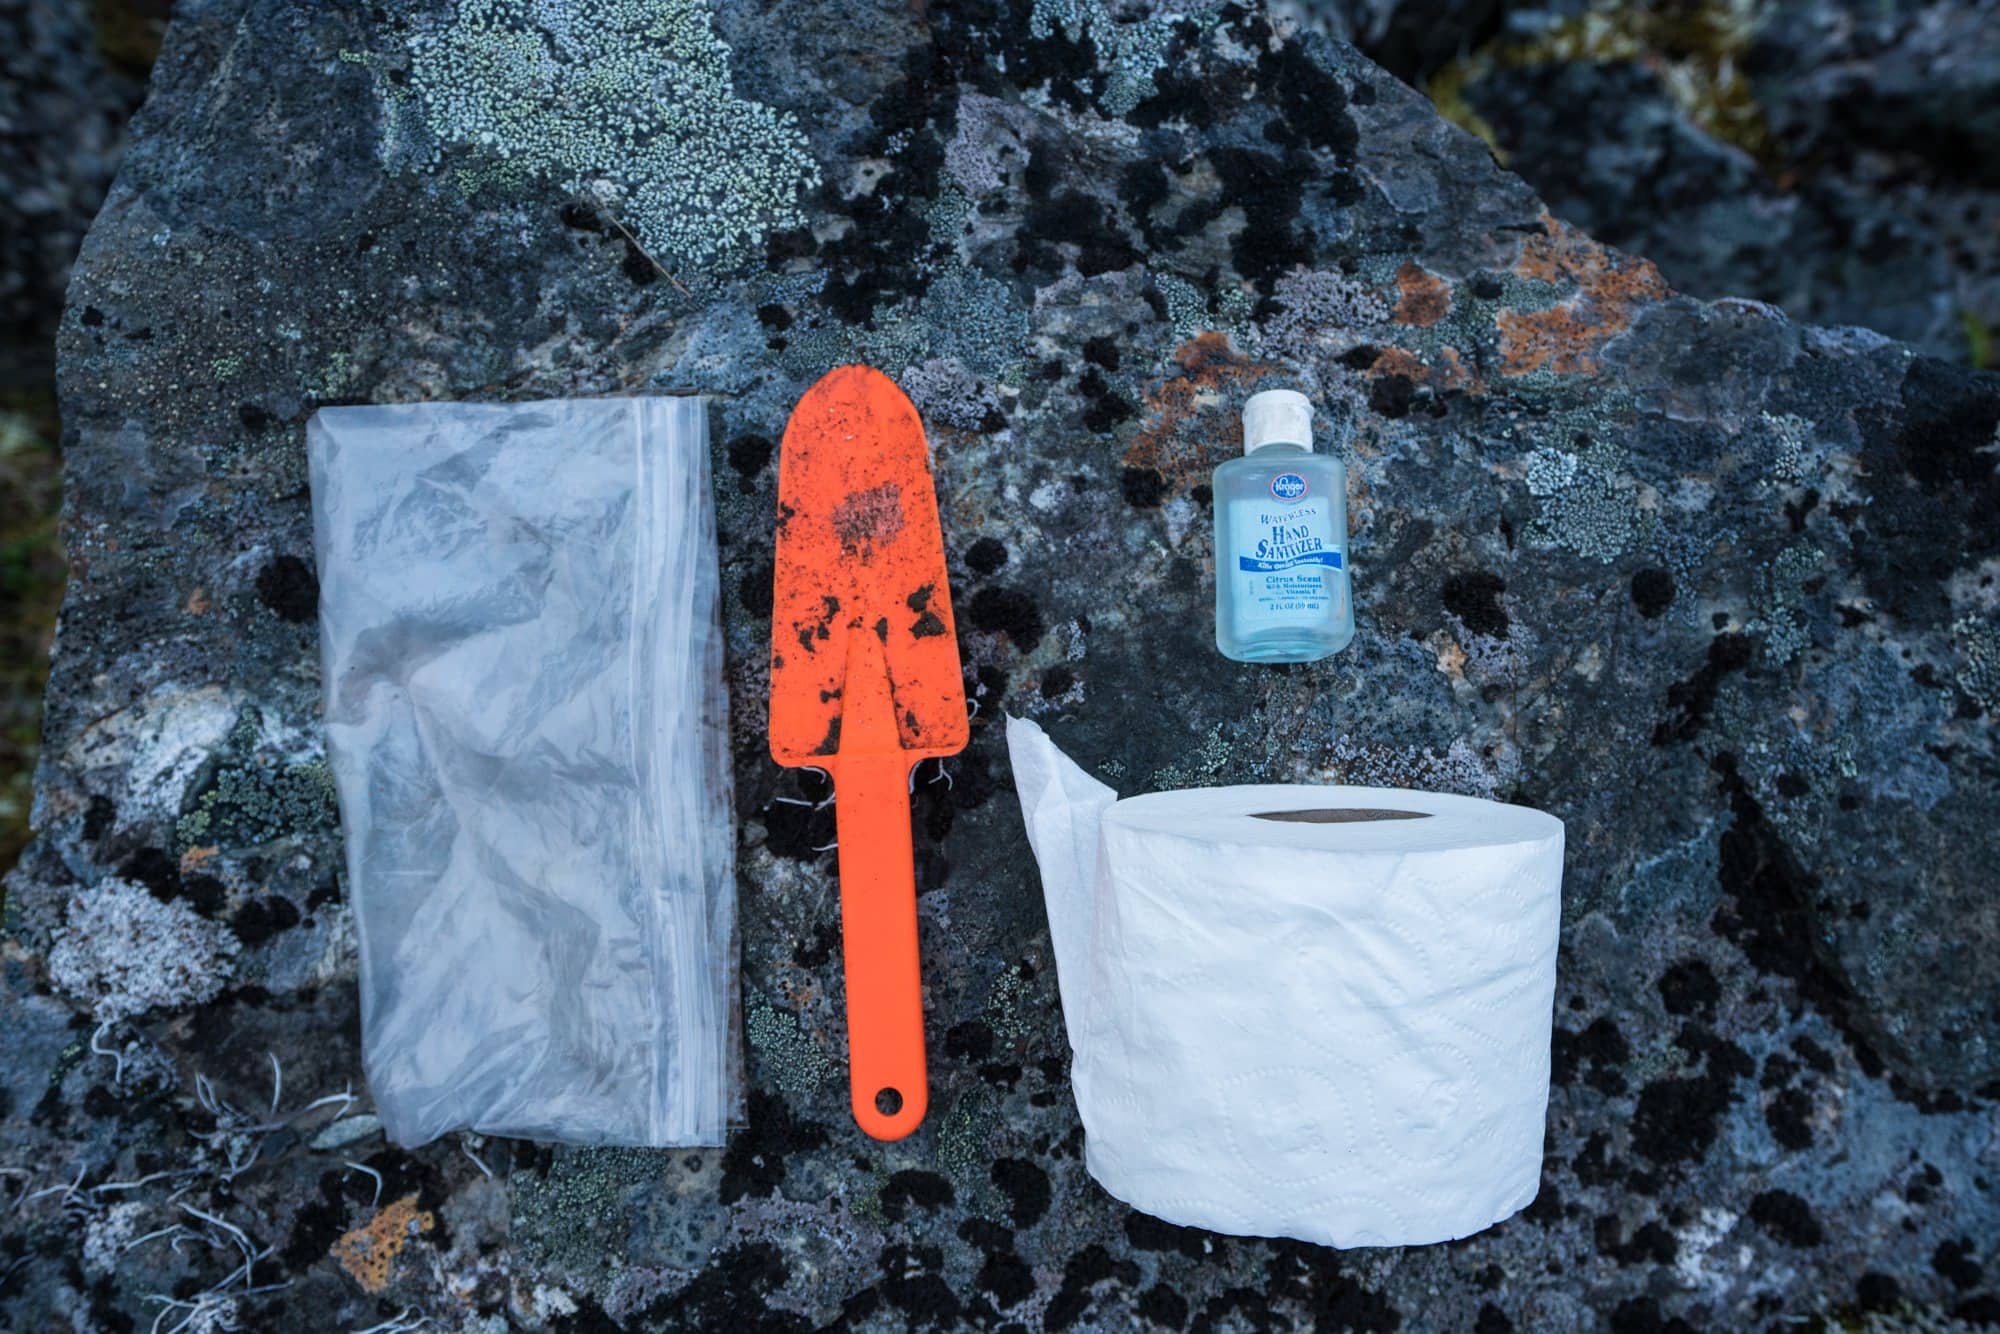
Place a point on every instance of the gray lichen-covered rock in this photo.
(1715, 588)
(1833, 157)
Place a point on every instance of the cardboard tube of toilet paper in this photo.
(1312, 1012)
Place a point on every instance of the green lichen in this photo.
(560, 1217)
(628, 102)
(251, 798)
(784, 1048)
(1007, 1012)
(963, 1153)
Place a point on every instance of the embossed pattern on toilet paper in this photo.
(1332, 1032)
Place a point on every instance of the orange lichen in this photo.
(369, 1251)
(1425, 299)
(1611, 288)
(1446, 370)
(1188, 429)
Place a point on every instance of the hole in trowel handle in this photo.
(1338, 815)
(888, 1101)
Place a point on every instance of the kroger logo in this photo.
(1288, 486)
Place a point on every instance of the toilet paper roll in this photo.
(1313, 1012)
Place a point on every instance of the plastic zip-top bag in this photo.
(527, 724)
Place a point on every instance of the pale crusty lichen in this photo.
(1978, 642)
(1782, 626)
(789, 1054)
(124, 952)
(1587, 504)
(1130, 54)
(628, 101)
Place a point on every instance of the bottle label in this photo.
(1286, 557)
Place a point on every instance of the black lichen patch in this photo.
(1318, 1282)
(1026, 1187)
(1086, 1269)
(732, 1293)
(1007, 1278)
(1786, 1217)
(204, 893)
(1106, 406)
(1266, 187)
(1057, 680)
(1599, 1052)
(288, 586)
(1143, 488)
(1875, 1291)
(913, 1282)
(1677, 1119)
(913, 1186)
(1069, 218)
(1789, 1116)
(1953, 1261)
(1643, 1315)
(1010, 612)
(1147, 1233)
(1652, 591)
(1650, 1242)
(1392, 395)
(754, 1163)
(1474, 597)
(985, 556)
(749, 455)
(1689, 987)
(263, 917)
(98, 817)
(1692, 700)
(158, 872)
(1313, 102)
(796, 825)
(1769, 912)
(318, 1223)
(1932, 487)
(757, 591)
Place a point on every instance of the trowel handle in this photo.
(878, 926)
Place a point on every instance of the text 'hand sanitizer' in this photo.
(1281, 576)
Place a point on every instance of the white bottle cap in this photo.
(1277, 417)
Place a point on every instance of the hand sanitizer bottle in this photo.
(1281, 592)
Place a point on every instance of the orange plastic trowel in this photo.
(864, 684)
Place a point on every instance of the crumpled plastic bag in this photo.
(527, 724)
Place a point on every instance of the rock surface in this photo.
(1713, 587)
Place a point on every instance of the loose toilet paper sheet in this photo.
(1326, 1026)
